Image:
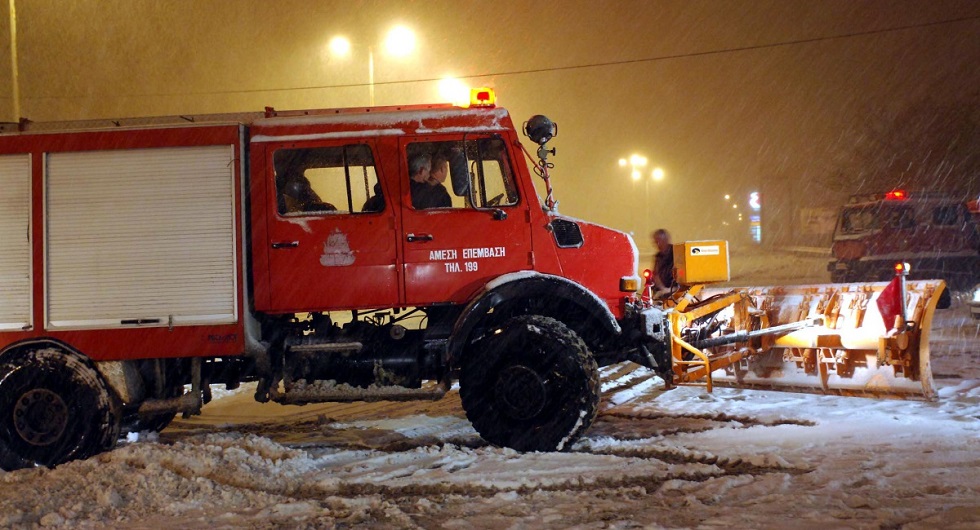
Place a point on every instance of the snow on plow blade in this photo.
(819, 338)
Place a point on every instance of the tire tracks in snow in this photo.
(638, 437)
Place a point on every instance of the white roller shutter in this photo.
(141, 236)
(15, 241)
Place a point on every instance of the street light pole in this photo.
(656, 175)
(15, 82)
(371, 75)
(646, 201)
(636, 163)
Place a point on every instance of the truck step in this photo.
(326, 347)
(301, 392)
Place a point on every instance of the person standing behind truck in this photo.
(662, 278)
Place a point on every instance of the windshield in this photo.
(859, 219)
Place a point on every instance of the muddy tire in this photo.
(54, 407)
(173, 387)
(530, 384)
(153, 423)
(156, 422)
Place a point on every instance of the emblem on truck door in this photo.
(336, 251)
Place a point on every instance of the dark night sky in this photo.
(715, 122)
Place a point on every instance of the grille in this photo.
(567, 233)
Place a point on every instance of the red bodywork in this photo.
(138, 341)
(398, 257)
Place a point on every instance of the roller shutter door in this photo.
(140, 237)
(15, 241)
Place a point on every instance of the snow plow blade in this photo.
(816, 338)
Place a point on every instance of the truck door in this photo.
(454, 245)
(331, 237)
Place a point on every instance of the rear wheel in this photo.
(530, 384)
(54, 407)
(159, 421)
(163, 377)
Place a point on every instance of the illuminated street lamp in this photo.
(399, 42)
(636, 163)
(454, 91)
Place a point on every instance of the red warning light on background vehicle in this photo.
(896, 195)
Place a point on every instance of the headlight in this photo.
(629, 284)
(976, 294)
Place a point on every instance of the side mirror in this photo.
(459, 173)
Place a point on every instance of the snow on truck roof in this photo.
(383, 122)
(366, 120)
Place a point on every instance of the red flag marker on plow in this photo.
(891, 300)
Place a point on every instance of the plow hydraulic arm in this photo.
(744, 336)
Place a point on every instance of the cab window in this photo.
(857, 220)
(945, 215)
(491, 181)
(900, 218)
(861, 219)
(471, 173)
(327, 181)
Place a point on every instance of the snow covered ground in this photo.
(682, 458)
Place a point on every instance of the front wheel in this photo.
(530, 384)
(54, 407)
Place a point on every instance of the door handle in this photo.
(285, 244)
(412, 238)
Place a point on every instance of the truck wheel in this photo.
(53, 408)
(530, 384)
(171, 385)
(153, 423)
(160, 421)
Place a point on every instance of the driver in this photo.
(427, 175)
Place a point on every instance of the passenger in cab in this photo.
(426, 191)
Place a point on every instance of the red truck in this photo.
(366, 254)
(139, 257)
(934, 233)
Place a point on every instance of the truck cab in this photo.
(368, 240)
(360, 238)
(424, 223)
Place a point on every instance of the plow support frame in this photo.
(826, 338)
